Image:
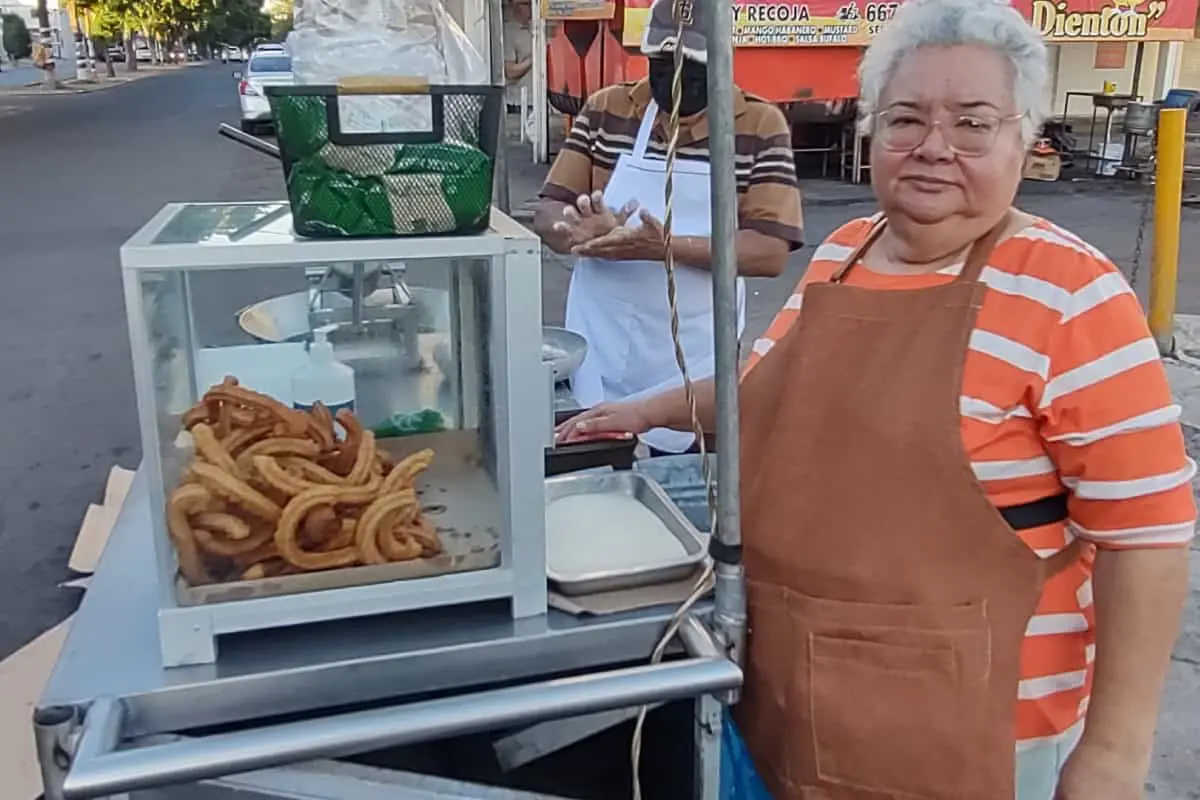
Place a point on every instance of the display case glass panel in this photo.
(418, 335)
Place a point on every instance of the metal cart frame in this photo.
(108, 705)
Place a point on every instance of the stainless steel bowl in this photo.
(286, 317)
(561, 348)
(564, 350)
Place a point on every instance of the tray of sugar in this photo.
(615, 530)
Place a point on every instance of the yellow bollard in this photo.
(1168, 205)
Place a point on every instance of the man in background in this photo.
(604, 202)
(518, 53)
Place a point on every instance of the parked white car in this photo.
(265, 69)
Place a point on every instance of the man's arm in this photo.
(548, 213)
(770, 217)
(570, 176)
(515, 70)
(770, 220)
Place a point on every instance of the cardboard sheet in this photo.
(93, 536)
(98, 522)
(119, 481)
(22, 677)
(626, 599)
(77, 583)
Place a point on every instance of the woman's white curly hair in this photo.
(948, 23)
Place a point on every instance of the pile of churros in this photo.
(274, 491)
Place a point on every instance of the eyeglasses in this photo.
(904, 130)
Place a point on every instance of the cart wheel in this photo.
(248, 126)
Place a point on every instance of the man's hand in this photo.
(1093, 772)
(646, 242)
(590, 219)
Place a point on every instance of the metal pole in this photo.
(730, 604)
(1168, 203)
(495, 10)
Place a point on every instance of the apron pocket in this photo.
(891, 713)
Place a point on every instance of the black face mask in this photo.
(694, 84)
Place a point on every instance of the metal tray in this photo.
(651, 495)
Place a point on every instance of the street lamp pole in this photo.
(729, 599)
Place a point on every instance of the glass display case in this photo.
(399, 466)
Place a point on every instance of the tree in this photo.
(231, 22)
(107, 28)
(43, 56)
(15, 35)
(167, 23)
(280, 14)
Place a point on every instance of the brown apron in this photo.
(888, 598)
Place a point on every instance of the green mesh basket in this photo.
(390, 162)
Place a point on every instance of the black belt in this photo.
(1022, 517)
(1036, 513)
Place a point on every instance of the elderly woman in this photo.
(966, 500)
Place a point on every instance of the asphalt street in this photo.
(80, 173)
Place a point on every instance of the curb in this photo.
(74, 86)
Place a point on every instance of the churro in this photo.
(360, 472)
(344, 456)
(406, 471)
(272, 492)
(278, 446)
(320, 427)
(242, 438)
(312, 471)
(223, 547)
(227, 525)
(389, 508)
(279, 478)
(293, 515)
(208, 448)
(184, 500)
(296, 422)
(236, 491)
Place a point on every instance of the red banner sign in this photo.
(832, 23)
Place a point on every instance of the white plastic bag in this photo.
(336, 39)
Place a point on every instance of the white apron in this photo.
(621, 308)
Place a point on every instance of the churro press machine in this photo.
(444, 337)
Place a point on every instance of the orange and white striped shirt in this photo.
(1062, 389)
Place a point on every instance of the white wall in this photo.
(1075, 72)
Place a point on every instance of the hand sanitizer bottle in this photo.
(323, 379)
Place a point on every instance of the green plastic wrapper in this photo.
(427, 421)
(427, 189)
(300, 122)
(382, 189)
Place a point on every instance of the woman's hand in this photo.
(646, 242)
(591, 219)
(1093, 772)
(604, 419)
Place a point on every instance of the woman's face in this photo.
(947, 138)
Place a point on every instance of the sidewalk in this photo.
(25, 80)
(20, 76)
(1177, 753)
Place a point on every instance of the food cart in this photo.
(265, 684)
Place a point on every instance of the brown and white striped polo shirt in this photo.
(768, 193)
